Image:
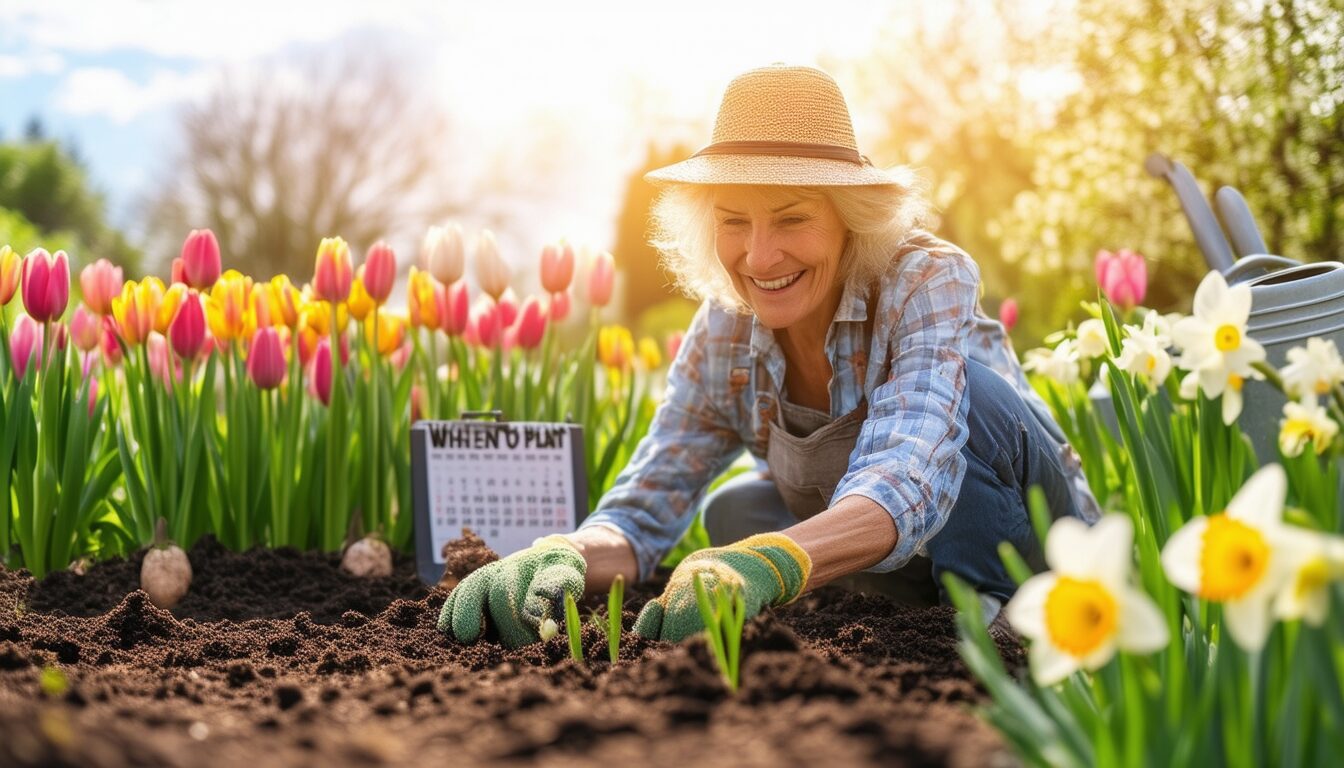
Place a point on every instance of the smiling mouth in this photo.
(777, 285)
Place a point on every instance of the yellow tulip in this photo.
(229, 311)
(649, 354)
(135, 308)
(391, 332)
(360, 302)
(285, 301)
(168, 306)
(420, 300)
(615, 347)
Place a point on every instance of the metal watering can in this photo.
(1290, 301)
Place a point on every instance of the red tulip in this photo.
(485, 321)
(100, 281)
(380, 270)
(177, 275)
(85, 327)
(187, 331)
(1123, 277)
(25, 344)
(46, 284)
(266, 359)
(320, 377)
(200, 259)
(601, 279)
(332, 273)
(454, 308)
(557, 267)
(508, 308)
(531, 323)
(1008, 314)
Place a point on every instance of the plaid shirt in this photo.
(724, 388)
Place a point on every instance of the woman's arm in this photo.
(607, 553)
(855, 534)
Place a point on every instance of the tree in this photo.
(340, 143)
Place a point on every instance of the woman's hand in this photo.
(769, 568)
(520, 591)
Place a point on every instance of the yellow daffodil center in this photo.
(1233, 560)
(1227, 337)
(1080, 615)
(1234, 382)
(1152, 363)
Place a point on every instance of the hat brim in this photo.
(773, 170)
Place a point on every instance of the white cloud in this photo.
(45, 63)
(110, 93)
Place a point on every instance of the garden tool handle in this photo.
(1239, 222)
(1203, 223)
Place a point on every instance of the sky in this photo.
(604, 76)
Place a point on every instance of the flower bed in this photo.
(276, 657)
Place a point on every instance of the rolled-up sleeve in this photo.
(908, 455)
(688, 444)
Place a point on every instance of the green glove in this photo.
(520, 591)
(769, 568)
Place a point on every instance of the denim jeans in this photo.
(1008, 450)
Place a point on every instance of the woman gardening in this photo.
(845, 349)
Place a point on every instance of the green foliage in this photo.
(573, 628)
(615, 601)
(724, 613)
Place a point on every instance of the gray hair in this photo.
(879, 218)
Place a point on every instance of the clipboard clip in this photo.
(497, 415)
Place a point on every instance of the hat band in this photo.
(784, 149)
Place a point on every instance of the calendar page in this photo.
(510, 482)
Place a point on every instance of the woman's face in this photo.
(782, 247)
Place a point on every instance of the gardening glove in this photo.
(520, 591)
(769, 568)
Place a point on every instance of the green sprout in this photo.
(615, 599)
(53, 682)
(574, 627)
(724, 614)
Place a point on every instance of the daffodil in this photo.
(1079, 613)
(1214, 345)
(1304, 424)
(1092, 340)
(1060, 363)
(1143, 352)
(1313, 370)
(1234, 557)
(1317, 561)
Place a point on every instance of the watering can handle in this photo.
(1255, 265)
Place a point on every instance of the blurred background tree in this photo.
(273, 163)
(46, 200)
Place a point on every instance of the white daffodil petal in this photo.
(1237, 303)
(1067, 537)
(1143, 628)
(1026, 609)
(1248, 620)
(1260, 501)
(1110, 550)
(1231, 405)
(1180, 557)
(1210, 295)
(1049, 665)
(1098, 658)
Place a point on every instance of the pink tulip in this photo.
(454, 308)
(380, 270)
(320, 378)
(601, 279)
(559, 306)
(85, 327)
(485, 321)
(557, 267)
(100, 281)
(187, 331)
(1123, 277)
(160, 362)
(93, 393)
(674, 344)
(266, 359)
(46, 284)
(25, 343)
(492, 271)
(1008, 314)
(110, 343)
(177, 274)
(531, 323)
(332, 273)
(402, 355)
(508, 308)
(200, 259)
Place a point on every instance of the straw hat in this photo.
(780, 124)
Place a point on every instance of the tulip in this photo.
(674, 344)
(420, 302)
(1008, 314)
(379, 271)
(1123, 277)
(100, 282)
(200, 259)
(615, 347)
(266, 359)
(93, 393)
(560, 306)
(454, 308)
(46, 284)
(531, 323)
(177, 274)
(492, 271)
(601, 278)
(111, 348)
(285, 301)
(557, 267)
(402, 355)
(135, 308)
(172, 300)
(321, 374)
(228, 310)
(390, 333)
(360, 303)
(25, 343)
(11, 268)
(508, 308)
(187, 331)
(417, 402)
(159, 361)
(485, 321)
(443, 252)
(649, 354)
(84, 327)
(332, 273)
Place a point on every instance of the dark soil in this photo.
(277, 657)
